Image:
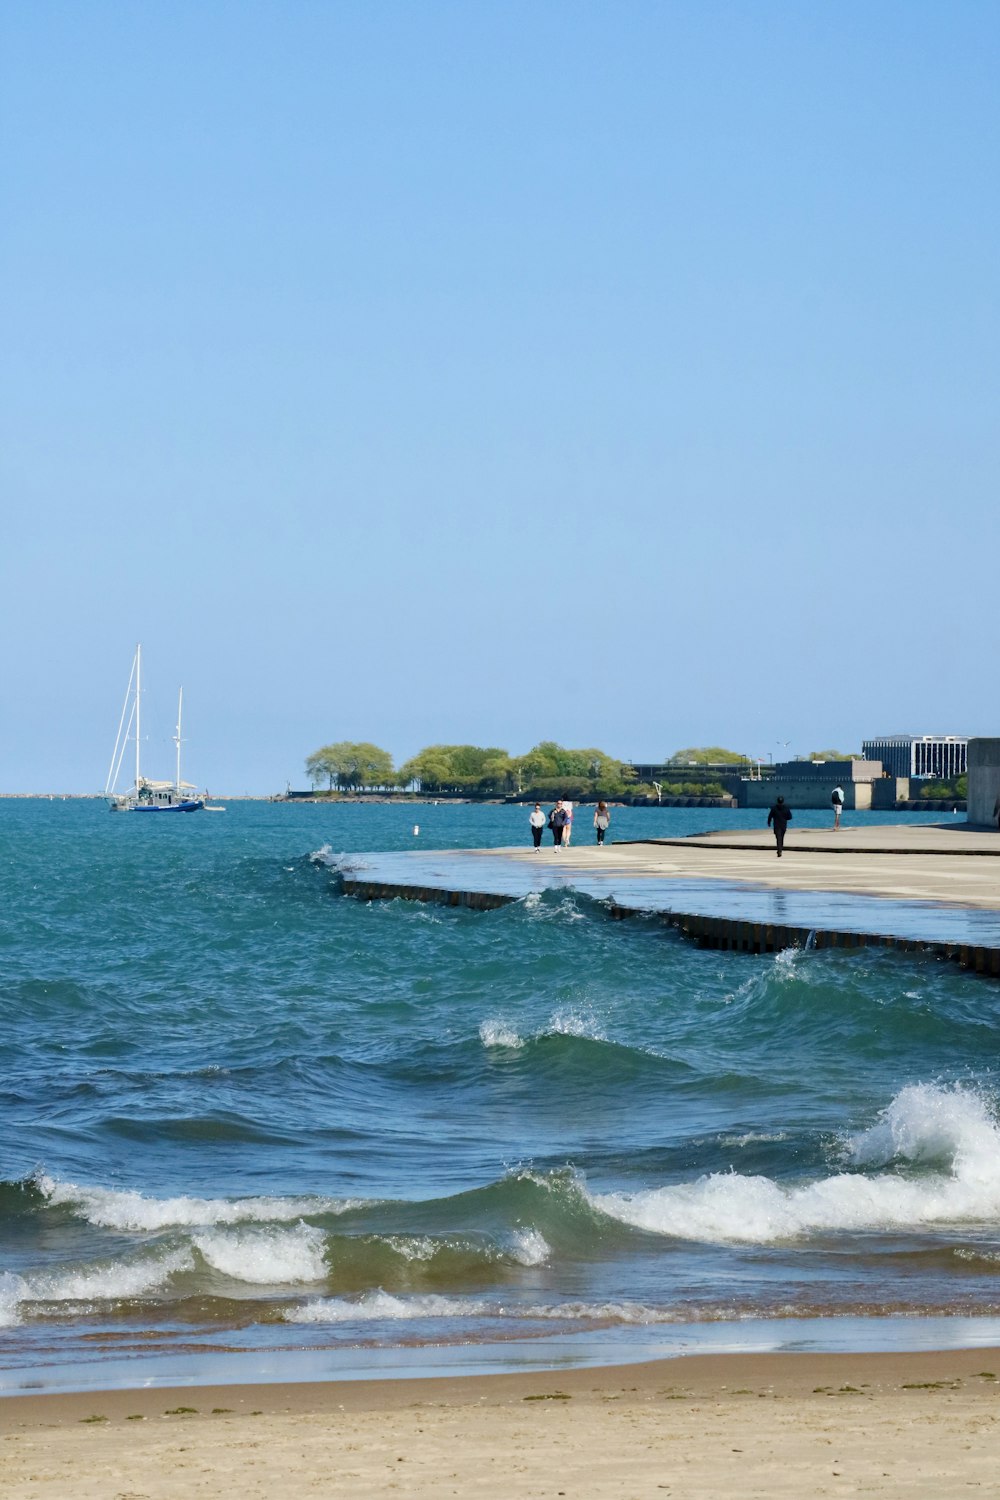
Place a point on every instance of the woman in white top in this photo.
(537, 821)
(568, 830)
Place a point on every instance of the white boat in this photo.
(147, 795)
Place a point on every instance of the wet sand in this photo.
(914, 1424)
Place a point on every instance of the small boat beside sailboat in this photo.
(147, 795)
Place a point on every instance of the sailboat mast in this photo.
(177, 736)
(138, 702)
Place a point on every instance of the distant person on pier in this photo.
(837, 798)
(537, 821)
(996, 809)
(568, 829)
(557, 822)
(779, 818)
(602, 820)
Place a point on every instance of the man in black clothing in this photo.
(779, 818)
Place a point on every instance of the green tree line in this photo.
(548, 770)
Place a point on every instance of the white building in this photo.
(942, 756)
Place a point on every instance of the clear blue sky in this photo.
(624, 374)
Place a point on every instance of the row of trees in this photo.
(547, 770)
(955, 790)
(715, 755)
(706, 755)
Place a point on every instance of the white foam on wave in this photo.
(344, 863)
(12, 1289)
(111, 1282)
(535, 906)
(924, 1126)
(421, 1247)
(927, 1124)
(608, 1312)
(110, 1209)
(786, 961)
(265, 1257)
(753, 1138)
(497, 1033)
(379, 1305)
(529, 1248)
(568, 1022)
(975, 1254)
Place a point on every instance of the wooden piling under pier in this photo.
(891, 886)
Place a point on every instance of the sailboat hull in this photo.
(146, 807)
(158, 803)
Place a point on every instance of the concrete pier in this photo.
(924, 888)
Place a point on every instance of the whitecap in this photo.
(418, 1248)
(923, 1125)
(497, 1033)
(344, 864)
(607, 1312)
(108, 1282)
(569, 1022)
(113, 1209)
(266, 1257)
(379, 1305)
(536, 907)
(754, 1138)
(529, 1248)
(12, 1290)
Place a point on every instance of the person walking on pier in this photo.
(568, 827)
(557, 822)
(837, 798)
(537, 821)
(779, 818)
(996, 809)
(602, 820)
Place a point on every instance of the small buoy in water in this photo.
(416, 829)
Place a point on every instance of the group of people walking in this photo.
(560, 822)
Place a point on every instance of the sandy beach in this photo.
(918, 1424)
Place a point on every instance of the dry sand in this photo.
(801, 1425)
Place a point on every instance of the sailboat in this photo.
(147, 795)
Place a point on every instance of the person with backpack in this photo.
(557, 822)
(779, 818)
(837, 798)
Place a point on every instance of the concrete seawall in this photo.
(984, 781)
(932, 890)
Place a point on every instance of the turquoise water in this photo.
(248, 1118)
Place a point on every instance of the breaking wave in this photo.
(112, 1209)
(942, 1151)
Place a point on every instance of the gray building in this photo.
(942, 756)
(810, 783)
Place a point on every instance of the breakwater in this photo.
(916, 889)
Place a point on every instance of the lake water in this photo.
(251, 1127)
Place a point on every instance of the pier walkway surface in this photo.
(928, 887)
